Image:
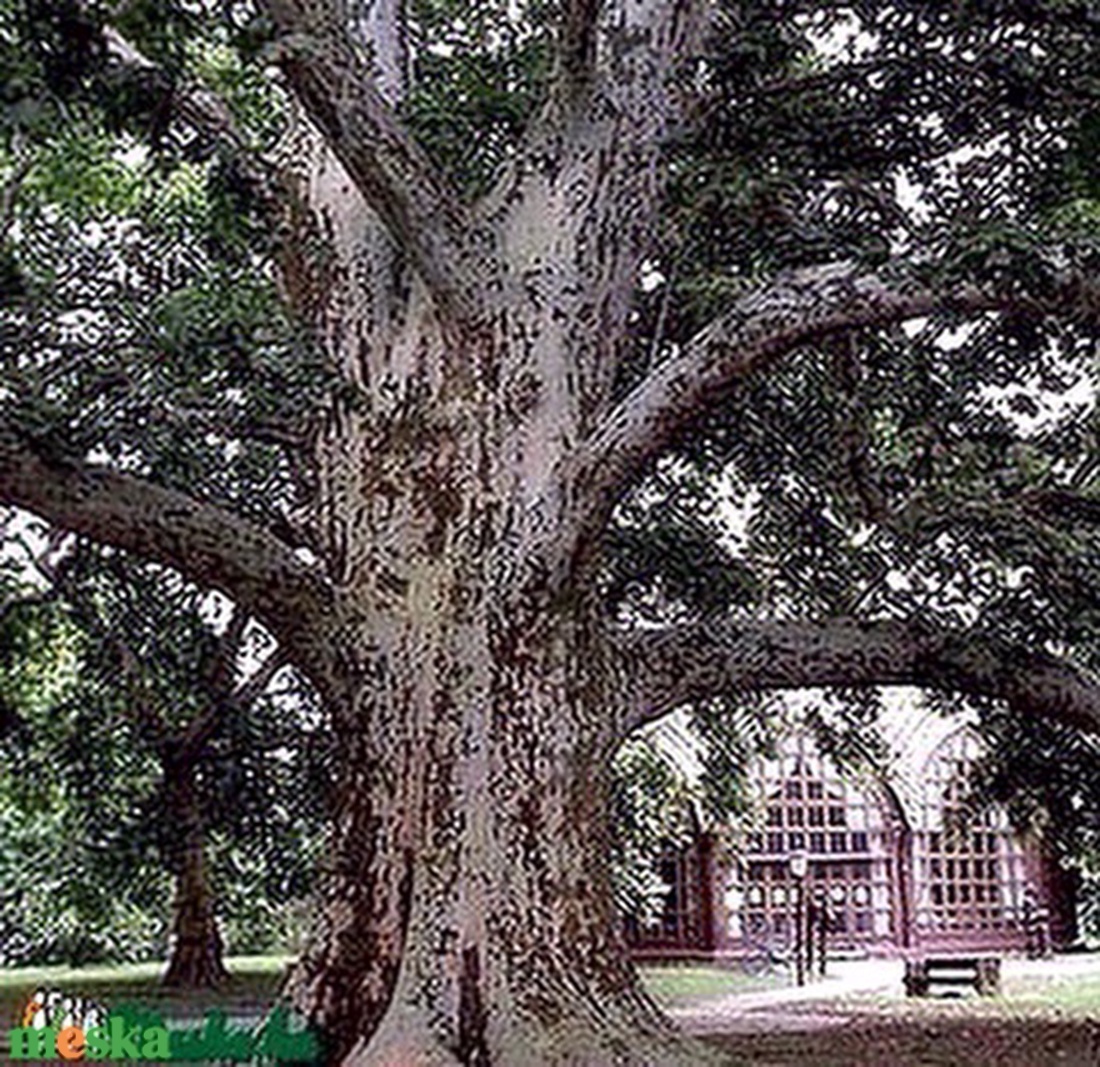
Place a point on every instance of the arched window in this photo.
(970, 869)
(682, 921)
(808, 807)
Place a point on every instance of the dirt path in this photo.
(1004, 1042)
(860, 1016)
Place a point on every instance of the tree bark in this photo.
(466, 460)
(467, 917)
(212, 545)
(195, 957)
(771, 321)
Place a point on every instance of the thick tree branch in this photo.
(222, 667)
(1049, 511)
(578, 207)
(665, 668)
(228, 700)
(577, 41)
(1058, 505)
(208, 544)
(256, 684)
(768, 322)
(334, 83)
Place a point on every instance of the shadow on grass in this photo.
(251, 988)
(931, 1042)
(1041, 1023)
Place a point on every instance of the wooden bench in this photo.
(983, 973)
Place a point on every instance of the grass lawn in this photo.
(256, 978)
(253, 981)
(673, 983)
(1072, 996)
(1031, 995)
(1039, 1021)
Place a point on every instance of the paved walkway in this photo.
(764, 1010)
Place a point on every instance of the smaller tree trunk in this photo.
(195, 958)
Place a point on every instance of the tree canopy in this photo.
(424, 332)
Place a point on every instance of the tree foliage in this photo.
(92, 837)
(474, 341)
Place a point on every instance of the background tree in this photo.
(165, 755)
(1045, 776)
(472, 349)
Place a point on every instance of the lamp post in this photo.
(800, 864)
(734, 899)
(820, 934)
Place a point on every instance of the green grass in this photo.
(1074, 996)
(253, 980)
(1031, 996)
(240, 967)
(676, 983)
(1034, 995)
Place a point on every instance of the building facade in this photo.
(896, 862)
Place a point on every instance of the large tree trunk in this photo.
(433, 581)
(345, 978)
(467, 915)
(470, 920)
(195, 957)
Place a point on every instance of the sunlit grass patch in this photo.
(675, 982)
